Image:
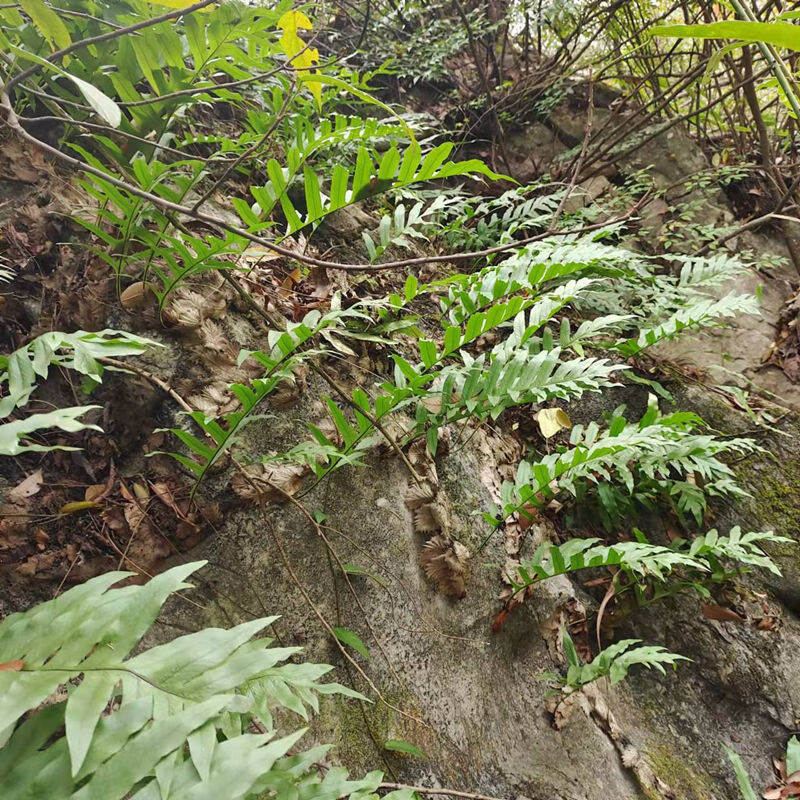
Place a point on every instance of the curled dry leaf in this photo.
(135, 516)
(552, 420)
(418, 494)
(429, 518)
(420, 456)
(720, 613)
(136, 297)
(216, 340)
(268, 481)
(188, 309)
(185, 309)
(447, 563)
(527, 514)
(214, 399)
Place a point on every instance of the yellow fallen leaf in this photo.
(78, 505)
(552, 420)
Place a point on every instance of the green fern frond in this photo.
(394, 171)
(172, 718)
(703, 313)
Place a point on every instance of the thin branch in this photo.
(446, 792)
(13, 122)
(247, 153)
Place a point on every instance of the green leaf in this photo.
(48, 23)
(86, 704)
(399, 746)
(742, 778)
(570, 652)
(349, 638)
(99, 101)
(792, 756)
(201, 748)
(355, 569)
(427, 352)
(780, 34)
(13, 434)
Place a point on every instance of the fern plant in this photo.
(20, 371)
(80, 717)
(657, 458)
(614, 662)
(652, 571)
(393, 171)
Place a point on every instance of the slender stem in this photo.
(13, 122)
(446, 792)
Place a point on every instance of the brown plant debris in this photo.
(268, 481)
(447, 563)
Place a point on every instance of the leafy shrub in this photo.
(80, 717)
(614, 662)
(77, 351)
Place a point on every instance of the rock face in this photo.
(474, 702)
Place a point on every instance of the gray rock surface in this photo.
(473, 701)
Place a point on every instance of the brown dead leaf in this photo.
(12, 666)
(418, 494)
(527, 514)
(136, 296)
(217, 340)
(94, 492)
(165, 495)
(499, 621)
(295, 276)
(27, 488)
(428, 518)
(134, 516)
(720, 613)
(268, 481)
(319, 280)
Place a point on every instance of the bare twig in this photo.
(445, 792)
(13, 122)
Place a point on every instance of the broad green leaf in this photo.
(84, 708)
(742, 778)
(346, 636)
(201, 748)
(48, 23)
(793, 756)
(14, 434)
(99, 101)
(400, 746)
(779, 34)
